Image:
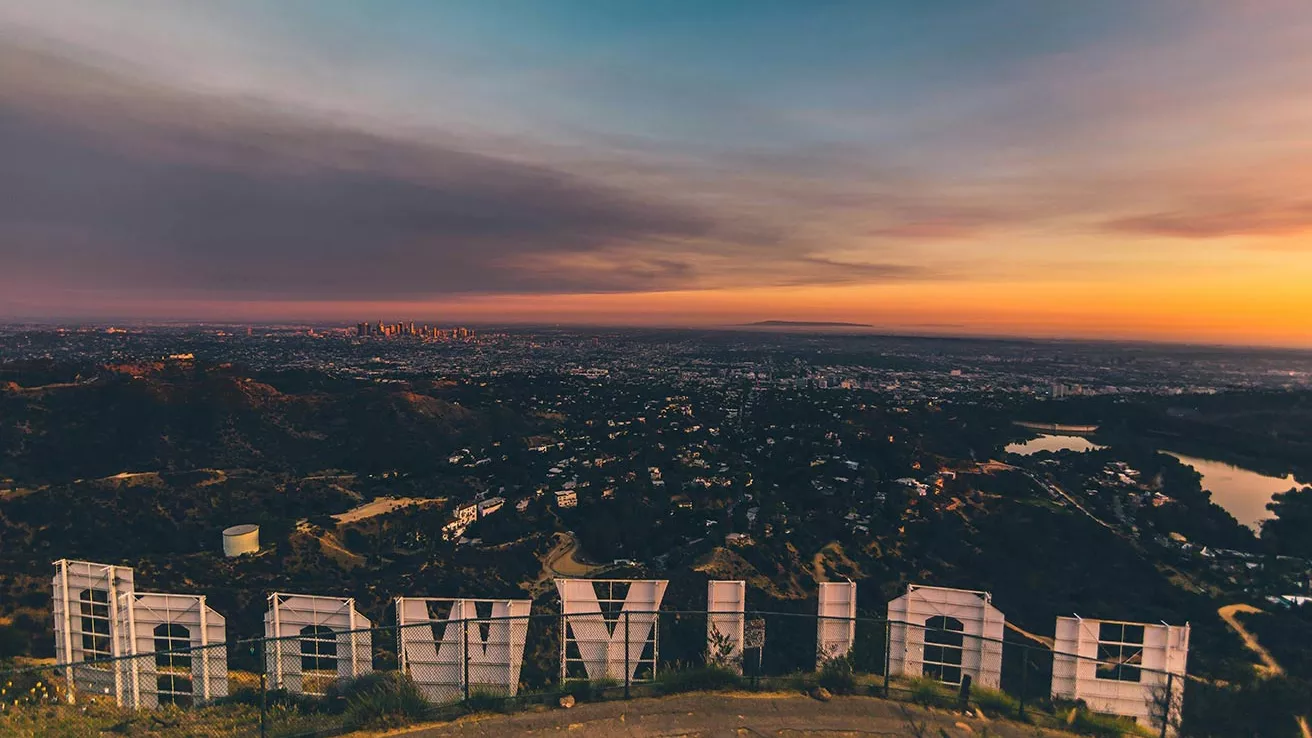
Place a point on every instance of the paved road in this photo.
(739, 715)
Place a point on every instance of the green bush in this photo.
(13, 642)
(480, 701)
(380, 699)
(304, 703)
(696, 679)
(1108, 726)
(930, 692)
(836, 676)
(994, 700)
(589, 690)
(100, 719)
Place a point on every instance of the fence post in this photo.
(628, 672)
(264, 687)
(1024, 678)
(1167, 702)
(464, 630)
(756, 673)
(888, 655)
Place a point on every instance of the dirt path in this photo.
(1228, 613)
(563, 560)
(741, 714)
(54, 386)
(381, 506)
(332, 547)
(1036, 638)
(1269, 665)
(215, 476)
(818, 567)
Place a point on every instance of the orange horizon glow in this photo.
(1276, 314)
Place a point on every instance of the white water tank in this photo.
(241, 539)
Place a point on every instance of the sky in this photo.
(1111, 169)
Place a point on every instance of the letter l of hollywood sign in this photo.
(836, 616)
(725, 602)
(602, 645)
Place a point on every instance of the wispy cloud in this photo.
(115, 181)
(1221, 220)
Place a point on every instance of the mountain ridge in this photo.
(806, 324)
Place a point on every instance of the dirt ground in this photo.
(738, 715)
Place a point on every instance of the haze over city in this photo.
(1108, 170)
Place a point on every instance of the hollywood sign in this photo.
(146, 649)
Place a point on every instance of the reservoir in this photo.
(1241, 492)
(1052, 442)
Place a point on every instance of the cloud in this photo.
(1203, 221)
(118, 184)
(111, 182)
(188, 159)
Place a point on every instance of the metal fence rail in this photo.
(324, 683)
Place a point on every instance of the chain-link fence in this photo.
(322, 681)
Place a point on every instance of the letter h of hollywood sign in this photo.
(608, 631)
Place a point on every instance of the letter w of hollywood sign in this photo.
(601, 643)
(438, 663)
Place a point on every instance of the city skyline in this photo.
(1116, 170)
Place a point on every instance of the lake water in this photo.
(1052, 442)
(1241, 492)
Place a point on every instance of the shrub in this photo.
(723, 651)
(251, 697)
(480, 701)
(703, 678)
(994, 700)
(589, 690)
(12, 642)
(1109, 726)
(99, 719)
(380, 699)
(930, 692)
(836, 675)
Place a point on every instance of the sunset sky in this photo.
(1110, 168)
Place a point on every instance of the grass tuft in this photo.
(994, 700)
(928, 692)
(697, 679)
(380, 699)
(590, 690)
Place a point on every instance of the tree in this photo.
(1286, 533)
